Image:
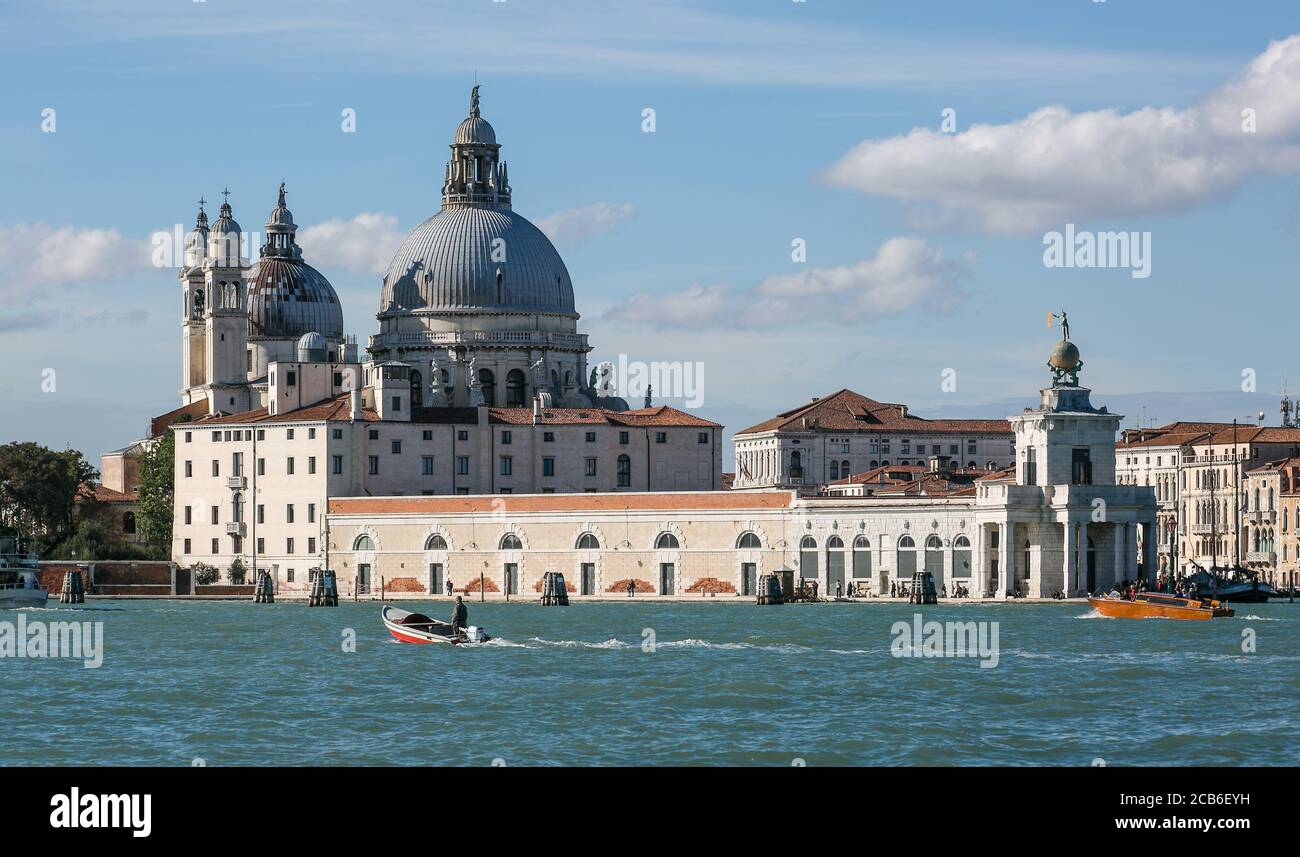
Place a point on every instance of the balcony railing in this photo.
(235, 528)
(238, 482)
(1261, 557)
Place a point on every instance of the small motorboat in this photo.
(410, 627)
(1154, 605)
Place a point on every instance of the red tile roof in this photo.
(339, 408)
(580, 502)
(105, 494)
(159, 424)
(847, 411)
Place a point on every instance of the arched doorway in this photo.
(834, 565)
(906, 559)
(417, 390)
(934, 559)
(488, 384)
(861, 561)
(961, 558)
(808, 558)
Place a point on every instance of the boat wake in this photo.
(614, 644)
(1092, 614)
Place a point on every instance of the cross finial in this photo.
(226, 193)
(201, 202)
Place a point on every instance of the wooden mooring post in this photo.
(324, 591)
(73, 591)
(923, 591)
(554, 592)
(769, 590)
(264, 588)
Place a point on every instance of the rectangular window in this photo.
(590, 466)
(189, 436)
(462, 465)
(288, 433)
(507, 465)
(397, 403)
(704, 438)
(374, 434)
(548, 437)
(311, 434)
(1031, 466)
(311, 545)
(970, 447)
(261, 514)
(261, 546)
(187, 546)
(374, 465)
(505, 437)
(623, 438)
(462, 434)
(289, 572)
(661, 437)
(338, 379)
(462, 490)
(311, 464)
(289, 467)
(397, 447)
(216, 437)
(548, 466)
(1080, 466)
(288, 545)
(426, 465)
(426, 435)
(216, 514)
(337, 464)
(188, 515)
(591, 437)
(261, 467)
(337, 434)
(291, 380)
(216, 467)
(189, 469)
(288, 513)
(311, 513)
(216, 546)
(261, 434)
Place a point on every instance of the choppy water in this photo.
(246, 684)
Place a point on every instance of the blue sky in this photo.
(774, 121)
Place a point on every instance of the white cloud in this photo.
(575, 225)
(1054, 165)
(903, 274)
(37, 255)
(366, 243)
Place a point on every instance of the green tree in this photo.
(40, 489)
(157, 492)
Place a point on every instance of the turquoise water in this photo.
(733, 684)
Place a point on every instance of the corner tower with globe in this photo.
(476, 301)
(1059, 524)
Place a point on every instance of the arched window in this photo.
(516, 388)
(796, 465)
(128, 523)
(835, 543)
(874, 463)
(808, 557)
(961, 557)
(624, 470)
(435, 542)
(862, 557)
(748, 541)
(934, 555)
(488, 382)
(835, 470)
(933, 543)
(510, 542)
(906, 558)
(588, 542)
(363, 543)
(972, 465)
(906, 543)
(666, 541)
(844, 470)
(417, 390)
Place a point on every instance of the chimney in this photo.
(354, 406)
(537, 410)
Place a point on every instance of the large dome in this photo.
(447, 263)
(288, 297)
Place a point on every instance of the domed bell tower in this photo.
(194, 293)
(225, 318)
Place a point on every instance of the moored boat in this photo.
(1154, 605)
(19, 585)
(408, 627)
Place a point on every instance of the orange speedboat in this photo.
(1155, 605)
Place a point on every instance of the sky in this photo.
(832, 194)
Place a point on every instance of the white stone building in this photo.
(1056, 523)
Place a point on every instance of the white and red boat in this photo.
(408, 627)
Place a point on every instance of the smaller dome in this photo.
(280, 216)
(475, 129)
(1065, 355)
(311, 348)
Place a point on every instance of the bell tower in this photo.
(193, 309)
(225, 318)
